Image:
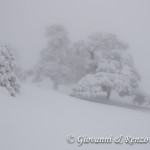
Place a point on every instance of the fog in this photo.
(23, 23)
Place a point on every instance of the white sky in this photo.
(23, 22)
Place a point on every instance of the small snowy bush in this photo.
(141, 98)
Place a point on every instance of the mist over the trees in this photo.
(23, 24)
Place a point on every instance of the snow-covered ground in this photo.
(40, 119)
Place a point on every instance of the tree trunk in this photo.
(92, 55)
(108, 93)
(55, 85)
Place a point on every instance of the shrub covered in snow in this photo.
(8, 78)
(141, 98)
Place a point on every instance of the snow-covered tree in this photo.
(98, 42)
(53, 59)
(104, 41)
(115, 71)
(8, 78)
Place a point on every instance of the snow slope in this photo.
(40, 119)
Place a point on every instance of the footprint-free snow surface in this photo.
(40, 119)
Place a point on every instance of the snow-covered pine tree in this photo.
(8, 78)
(115, 71)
